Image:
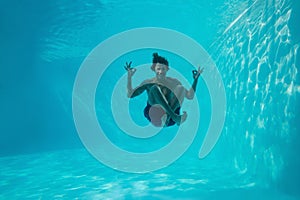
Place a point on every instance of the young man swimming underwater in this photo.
(165, 94)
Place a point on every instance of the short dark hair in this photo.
(159, 59)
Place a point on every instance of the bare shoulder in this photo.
(173, 81)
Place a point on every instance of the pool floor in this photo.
(75, 174)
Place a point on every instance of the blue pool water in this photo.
(254, 45)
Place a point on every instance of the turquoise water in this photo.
(254, 45)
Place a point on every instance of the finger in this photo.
(130, 63)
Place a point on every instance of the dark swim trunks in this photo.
(169, 123)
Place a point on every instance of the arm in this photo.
(137, 91)
(129, 85)
(191, 93)
(130, 91)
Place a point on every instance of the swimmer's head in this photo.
(160, 60)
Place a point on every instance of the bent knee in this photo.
(179, 88)
(179, 91)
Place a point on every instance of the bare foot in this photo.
(180, 118)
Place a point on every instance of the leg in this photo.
(156, 96)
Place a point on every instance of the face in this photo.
(160, 70)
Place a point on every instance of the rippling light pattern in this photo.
(69, 29)
(258, 61)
